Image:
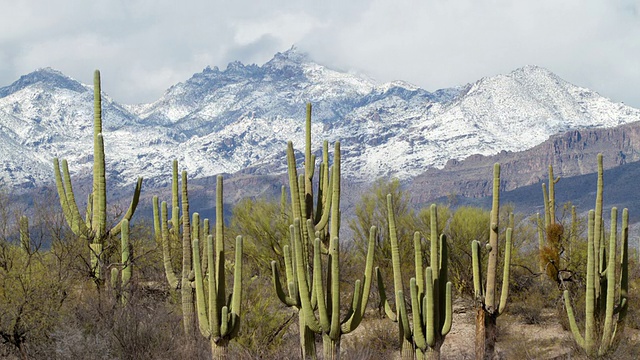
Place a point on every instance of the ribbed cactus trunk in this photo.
(180, 231)
(93, 228)
(218, 321)
(431, 299)
(487, 307)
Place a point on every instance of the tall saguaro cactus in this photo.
(487, 308)
(218, 320)
(302, 208)
(431, 298)
(180, 229)
(605, 312)
(94, 228)
(319, 311)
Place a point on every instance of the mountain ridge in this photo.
(239, 119)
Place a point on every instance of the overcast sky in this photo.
(144, 46)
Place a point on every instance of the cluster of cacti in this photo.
(320, 231)
(311, 256)
(178, 230)
(94, 228)
(431, 298)
(487, 308)
(604, 311)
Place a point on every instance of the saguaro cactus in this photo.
(302, 208)
(94, 228)
(180, 229)
(487, 308)
(604, 314)
(305, 283)
(218, 320)
(430, 294)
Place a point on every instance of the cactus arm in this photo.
(325, 321)
(236, 300)
(126, 262)
(359, 311)
(68, 200)
(418, 326)
(477, 277)
(608, 328)
(434, 264)
(395, 256)
(545, 199)
(443, 269)
(383, 297)
(201, 307)
(219, 245)
(429, 310)
(624, 276)
(572, 320)
(166, 254)
(401, 308)
(277, 285)
(448, 311)
(303, 286)
(417, 246)
(132, 208)
(506, 272)
(309, 165)
(334, 331)
(354, 315)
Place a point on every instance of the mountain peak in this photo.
(49, 77)
(291, 57)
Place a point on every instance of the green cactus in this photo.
(305, 281)
(604, 315)
(431, 298)
(218, 320)
(302, 207)
(487, 309)
(94, 228)
(125, 267)
(181, 230)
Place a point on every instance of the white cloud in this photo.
(144, 46)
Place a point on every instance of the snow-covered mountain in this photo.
(239, 119)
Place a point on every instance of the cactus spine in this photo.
(94, 228)
(487, 309)
(430, 293)
(602, 327)
(218, 320)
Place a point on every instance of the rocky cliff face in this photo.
(571, 154)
